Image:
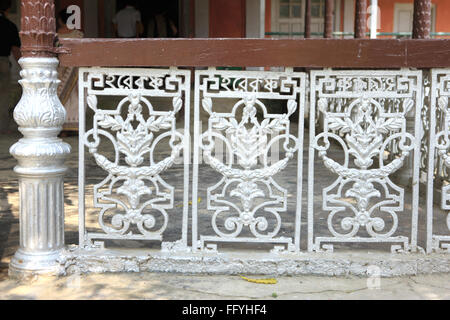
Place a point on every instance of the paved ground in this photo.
(206, 287)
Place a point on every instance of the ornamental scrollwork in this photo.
(441, 143)
(134, 200)
(40, 105)
(247, 191)
(367, 118)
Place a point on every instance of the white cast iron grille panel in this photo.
(135, 112)
(244, 202)
(424, 153)
(365, 142)
(438, 222)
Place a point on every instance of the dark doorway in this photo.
(160, 18)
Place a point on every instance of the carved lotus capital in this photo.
(39, 106)
(38, 28)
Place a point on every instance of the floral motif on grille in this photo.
(367, 116)
(134, 200)
(247, 187)
(438, 169)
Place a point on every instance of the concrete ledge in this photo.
(76, 261)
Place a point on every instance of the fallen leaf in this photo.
(190, 203)
(260, 281)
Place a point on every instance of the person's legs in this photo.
(151, 28)
(4, 68)
(161, 24)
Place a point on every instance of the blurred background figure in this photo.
(160, 25)
(127, 22)
(9, 44)
(68, 88)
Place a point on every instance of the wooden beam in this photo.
(422, 19)
(360, 19)
(311, 53)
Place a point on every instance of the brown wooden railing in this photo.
(312, 53)
(39, 33)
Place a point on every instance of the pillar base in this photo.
(26, 264)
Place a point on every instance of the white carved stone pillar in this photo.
(40, 168)
(40, 154)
